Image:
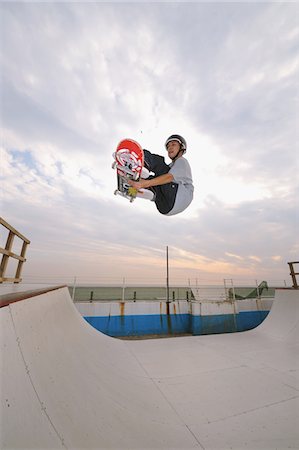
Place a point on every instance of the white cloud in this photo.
(78, 77)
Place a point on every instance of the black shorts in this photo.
(166, 193)
(165, 197)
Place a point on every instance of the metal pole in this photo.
(74, 288)
(167, 275)
(123, 291)
(257, 289)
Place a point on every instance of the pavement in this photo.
(64, 385)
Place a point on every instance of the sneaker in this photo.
(145, 173)
(146, 194)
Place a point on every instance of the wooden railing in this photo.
(293, 273)
(7, 253)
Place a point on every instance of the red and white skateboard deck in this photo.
(129, 158)
(128, 163)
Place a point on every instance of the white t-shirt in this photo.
(181, 172)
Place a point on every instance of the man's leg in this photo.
(155, 163)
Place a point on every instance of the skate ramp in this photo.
(65, 385)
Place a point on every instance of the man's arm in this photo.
(157, 181)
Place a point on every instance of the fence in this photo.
(8, 253)
(293, 273)
(159, 293)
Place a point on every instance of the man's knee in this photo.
(159, 165)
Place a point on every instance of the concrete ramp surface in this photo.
(66, 385)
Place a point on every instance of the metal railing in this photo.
(293, 273)
(8, 253)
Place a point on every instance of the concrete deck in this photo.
(65, 385)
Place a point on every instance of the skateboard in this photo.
(129, 161)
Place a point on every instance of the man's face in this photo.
(173, 148)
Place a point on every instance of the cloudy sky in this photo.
(76, 78)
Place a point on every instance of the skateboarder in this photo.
(172, 184)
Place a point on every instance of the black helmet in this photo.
(178, 138)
